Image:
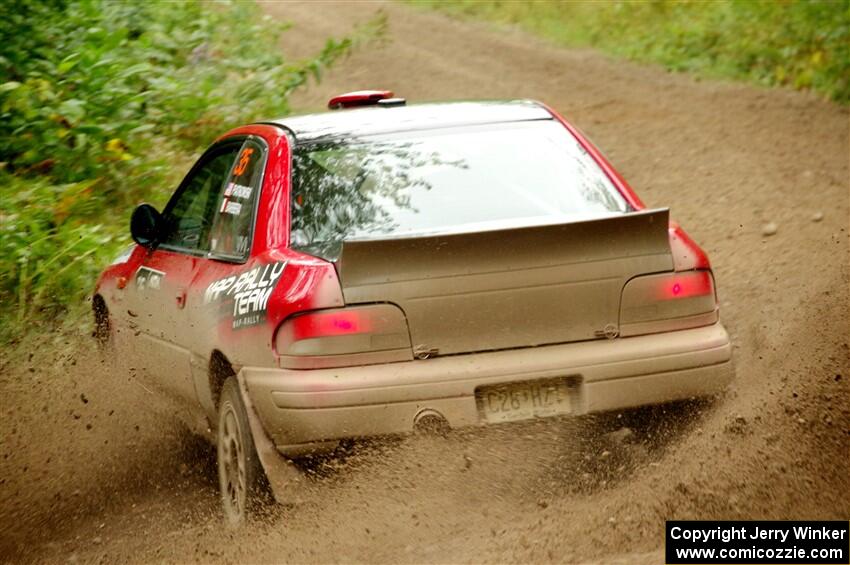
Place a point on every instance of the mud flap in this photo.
(284, 478)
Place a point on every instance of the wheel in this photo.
(240, 475)
(102, 331)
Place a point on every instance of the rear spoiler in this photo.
(640, 234)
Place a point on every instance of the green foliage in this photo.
(46, 259)
(804, 44)
(102, 105)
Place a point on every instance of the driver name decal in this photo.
(244, 297)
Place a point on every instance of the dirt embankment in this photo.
(93, 466)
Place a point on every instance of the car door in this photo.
(224, 298)
(160, 289)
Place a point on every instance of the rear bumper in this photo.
(302, 407)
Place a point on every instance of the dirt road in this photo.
(94, 467)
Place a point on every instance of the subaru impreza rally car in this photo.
(379, 267)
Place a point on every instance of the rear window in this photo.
(446, 181)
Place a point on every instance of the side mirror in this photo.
(146, 225)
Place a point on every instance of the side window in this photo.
(234, 213)
(189, 218)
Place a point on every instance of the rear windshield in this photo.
(446, 181)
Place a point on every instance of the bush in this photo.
(103, 104)
(804, 44)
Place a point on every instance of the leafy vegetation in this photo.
(804, 44)
(103, 105)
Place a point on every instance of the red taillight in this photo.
(667, 302)
(358, 335)
(685, 285)
(687, 255)
(329, 324)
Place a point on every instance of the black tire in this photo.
(240, 474)
(102, 331)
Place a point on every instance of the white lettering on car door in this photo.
(249, 291)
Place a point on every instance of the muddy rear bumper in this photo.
(302, 407)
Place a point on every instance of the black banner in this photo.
(693, 542)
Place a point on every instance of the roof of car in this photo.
(377, 119)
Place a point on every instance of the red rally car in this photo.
(381, 267)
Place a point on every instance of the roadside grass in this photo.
(106, 104)
(802, 44)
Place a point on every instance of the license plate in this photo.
(524, 401)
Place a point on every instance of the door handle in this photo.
(181, 298)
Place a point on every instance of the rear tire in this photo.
(240, 474)
(102, 331)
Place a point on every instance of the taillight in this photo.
(330, 324)
(684, 285)
(342, 337)
(668, 301)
